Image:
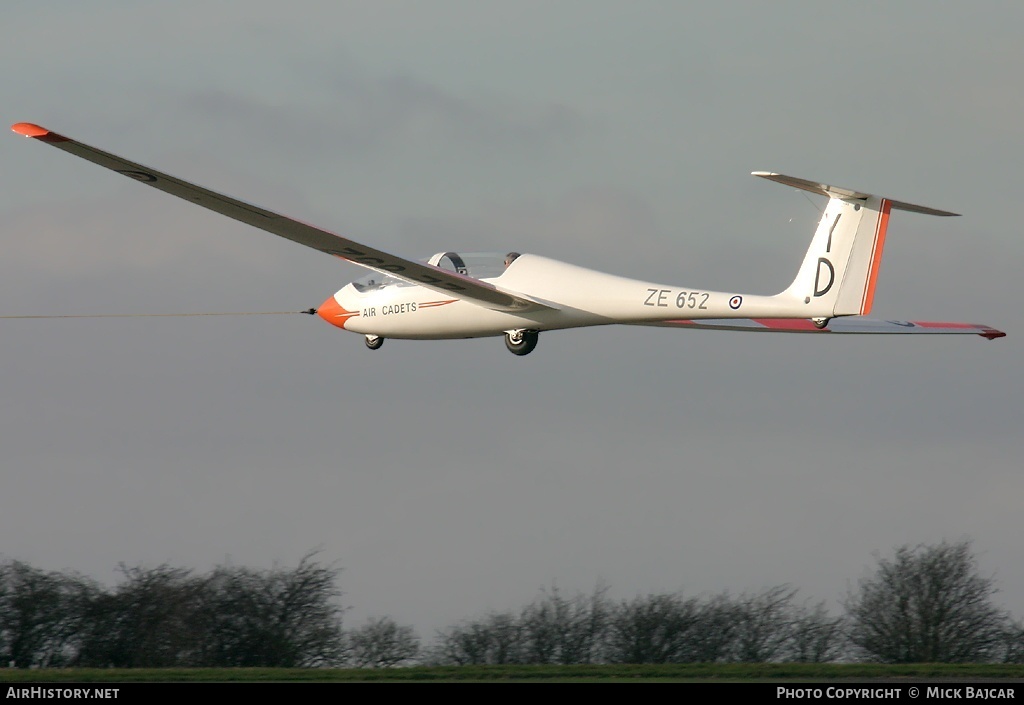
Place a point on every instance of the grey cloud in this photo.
(365, 114)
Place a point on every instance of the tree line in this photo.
(927, 603)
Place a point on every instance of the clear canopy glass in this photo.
(479, 265)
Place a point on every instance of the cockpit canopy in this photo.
(479, 265)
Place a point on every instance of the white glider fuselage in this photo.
(456, 295)
(574, 296)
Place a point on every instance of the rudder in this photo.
(840, 269)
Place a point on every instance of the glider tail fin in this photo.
(840, 269)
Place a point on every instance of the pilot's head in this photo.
(510, 258)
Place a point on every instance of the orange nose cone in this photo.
(332, 312)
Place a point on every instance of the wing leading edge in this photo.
(432, 277)
(852, 324)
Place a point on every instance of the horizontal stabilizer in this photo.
(843, 193)
(852, 324)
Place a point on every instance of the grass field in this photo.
(796, 673)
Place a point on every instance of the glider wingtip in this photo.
(29, 129)
(992, 334)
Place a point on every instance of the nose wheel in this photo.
(374, 342)
(521, 342)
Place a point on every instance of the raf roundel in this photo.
(137, 175)
(735, 302)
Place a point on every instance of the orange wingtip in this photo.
(40, 133)
(29, 130)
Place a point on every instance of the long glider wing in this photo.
(851, 324)
(427, 275)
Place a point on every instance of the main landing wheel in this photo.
(374, 342)
(521, 342)
(820, 323)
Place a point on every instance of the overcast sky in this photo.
(447, 479)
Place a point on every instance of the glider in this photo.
(462, 295)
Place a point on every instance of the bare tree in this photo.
(557, 629)
(928, 604)
(762, 624)
(382, 643)
(166, 616)
(494, 639)
(1013, 642)
(147, 621)
(652, 629)
(279, 617)
(816, 636)
(39, 615)
(712, 638)
(465, 644)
